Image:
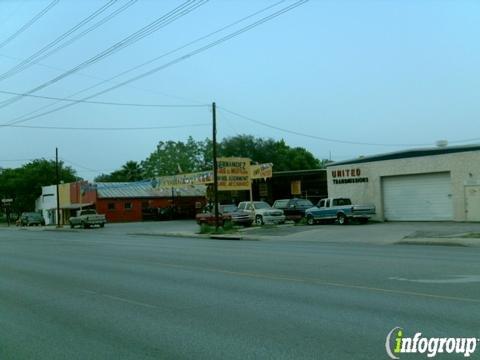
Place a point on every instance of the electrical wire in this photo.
(170, 63)
(107, 18)
(156, 25)
(104, 102)
(29, 23)
(293, 132)
(21, 117)
(110, 128)
(60, 38)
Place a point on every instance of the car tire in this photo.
(310, 220)
(71, 226)
(84, 225)
(342, 219)
(259, 220)
(102, 225)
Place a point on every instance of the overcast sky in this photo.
(399, 73)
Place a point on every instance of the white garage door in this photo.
(418, 197)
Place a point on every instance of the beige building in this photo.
(435, 184)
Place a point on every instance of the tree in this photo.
(173, 157)
(261, 150)
(130, 171)
(24, 184)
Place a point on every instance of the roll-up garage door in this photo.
(426, 197)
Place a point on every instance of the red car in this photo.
(208, 217)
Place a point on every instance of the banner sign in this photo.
(233, 173)
(198, 178)
(261, 171)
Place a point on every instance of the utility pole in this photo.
(58, 180)
(215, 165)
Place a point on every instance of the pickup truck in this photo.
(87, 218)
(340, 210)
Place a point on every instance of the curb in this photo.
(459, 242)
(198, 236)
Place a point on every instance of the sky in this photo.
(341, 78)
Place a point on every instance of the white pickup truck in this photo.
(340, 210)
(87, 218)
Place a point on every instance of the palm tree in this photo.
(132, 171)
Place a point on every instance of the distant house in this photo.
(122, 202)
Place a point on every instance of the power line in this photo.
(159, 23)
(29, 23)
(24, 116)
(60, 38)
(72, 40)
(84, 167)
(172, 62)
(309, 135)
(109, 128)
(103, 102)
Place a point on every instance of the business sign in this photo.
(296, 187)
(261, 171)
(348, 176)
(233, 173)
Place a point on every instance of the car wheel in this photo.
(102, 225)
(342, 219)
(71, 226)
(259, 220)
(310, 220)
(84, 225)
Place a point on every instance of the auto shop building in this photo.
(433, 184)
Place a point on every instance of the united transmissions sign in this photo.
(348, 176)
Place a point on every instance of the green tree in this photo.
(24, 184)
(130, 171)
(173, 157)
(262, 150)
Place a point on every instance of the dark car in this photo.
(31, 218)
(294, 209)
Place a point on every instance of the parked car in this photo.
(207, 216)
(87, 218)
(31, 218)
(340, 210)
(262, 212)
(294, 209)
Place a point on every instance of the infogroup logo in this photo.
(396, 344)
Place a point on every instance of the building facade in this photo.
(437, 184)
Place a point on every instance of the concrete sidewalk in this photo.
(408, 233)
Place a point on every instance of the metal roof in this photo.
(144, 189)
(404, 154)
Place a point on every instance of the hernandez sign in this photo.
(233, 174)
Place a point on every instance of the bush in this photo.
(205, 229)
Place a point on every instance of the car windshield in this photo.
(304, 203)
(280, 203)
(261, 205)
(228, 208)
(88, 212)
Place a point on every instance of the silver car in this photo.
(262, 212)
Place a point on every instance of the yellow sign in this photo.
(233, 173)
(261, 171)
(296, 187)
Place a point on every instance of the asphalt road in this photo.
(98, 295)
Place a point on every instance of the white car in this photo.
(262, 212)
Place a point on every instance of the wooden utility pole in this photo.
(215, 165)
(58, 192)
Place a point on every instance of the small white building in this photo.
(47, 204)
(434, 184)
